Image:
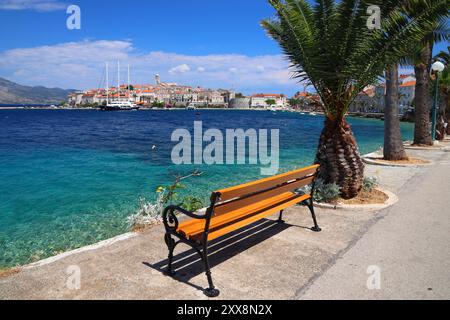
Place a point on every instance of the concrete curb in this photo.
(393, 199)
(430, 148)
(104, 243)
(372, 158)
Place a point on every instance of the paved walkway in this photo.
(409, 247)
(409, 243)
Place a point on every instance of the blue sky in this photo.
(194, 27)
(213, 43)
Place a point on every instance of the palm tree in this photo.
(330, 45)
(422, 57)
(393, 142)
(444, 56)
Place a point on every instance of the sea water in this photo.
(69, 178)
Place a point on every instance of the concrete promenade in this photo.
(408, 243)
(409, 247)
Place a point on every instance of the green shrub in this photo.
(151, 212)
(369, 184)
(157, 104)
(192, 204)
(325, 192)
(147, 213)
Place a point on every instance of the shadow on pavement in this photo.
(188, 264)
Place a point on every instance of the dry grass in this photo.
(424, 146)
(9, 272)
(141, 228)
(373, 197)
(410, 160)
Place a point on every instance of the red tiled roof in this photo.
(408, 84)
(265, 95)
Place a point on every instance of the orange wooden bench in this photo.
(237, 207)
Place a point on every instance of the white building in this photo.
(407, 94)
(260, 100)
(75, 98)
(212, 97)
(404, 78)
(372, 99)
(366, 101)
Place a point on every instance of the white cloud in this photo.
(80, 65)
(182, 68)
(37, 5)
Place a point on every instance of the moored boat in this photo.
(118, 105)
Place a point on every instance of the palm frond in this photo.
(330, 45)
(444, 57)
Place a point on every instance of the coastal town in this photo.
(172, 95)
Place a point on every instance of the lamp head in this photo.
(438, 66)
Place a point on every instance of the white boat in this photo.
(191, 106)
(118, 105)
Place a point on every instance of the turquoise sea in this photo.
(69, 178)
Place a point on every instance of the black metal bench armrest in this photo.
(170, 219)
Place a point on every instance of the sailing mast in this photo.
(117, 104)
(118, 81)
(107, 83)
(129, 98)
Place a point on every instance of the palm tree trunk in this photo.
(393, 142)
(339, 158)
(422, 133)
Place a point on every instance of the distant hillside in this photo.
(13, 93)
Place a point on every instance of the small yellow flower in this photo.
(160, 189)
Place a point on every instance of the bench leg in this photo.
(211, 291)
(310, 205)
(171, 246)
(280, 218)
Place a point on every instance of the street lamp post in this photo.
(437, 67)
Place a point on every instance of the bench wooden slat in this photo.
(195, 227)
(224, 208)
(232, 226)
(267, 183)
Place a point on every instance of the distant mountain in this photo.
(13, 93)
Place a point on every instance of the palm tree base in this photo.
(339, 158)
